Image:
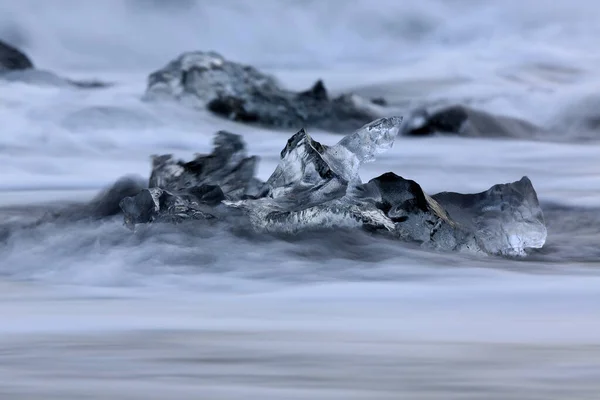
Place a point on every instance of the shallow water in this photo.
(94, 311)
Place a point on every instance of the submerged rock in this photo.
(465, 121)
(319, 187)
(243, 93)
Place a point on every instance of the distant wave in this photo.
(122, 34)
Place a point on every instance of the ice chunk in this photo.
(308, 165)
(227, 166)
(157, 205)
(267, 215)
(302, 177)
(309, 186)
(505, 219)
(347, 156)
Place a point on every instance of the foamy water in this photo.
(182, 312)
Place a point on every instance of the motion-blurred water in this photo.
(90, 310)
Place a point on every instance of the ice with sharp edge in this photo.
(316, 186)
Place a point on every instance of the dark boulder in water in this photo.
(12, 59)
(465, 121)
(243, 93)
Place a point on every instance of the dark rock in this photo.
(464, 121)
(242, 93)
(504, 220)
(89, 83)
(417, 217)
(211, 195)
(12, 59)
(380, 101)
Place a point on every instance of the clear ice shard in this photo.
(348, 155)
(310, 185)
(324, 172)
(506, 219)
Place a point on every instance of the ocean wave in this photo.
(115, 33)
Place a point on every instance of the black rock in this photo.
(12, 59)
(380, 101)
(417, 217)
(243, 93)
(504, 220)
(464, 121)
(211, 195)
